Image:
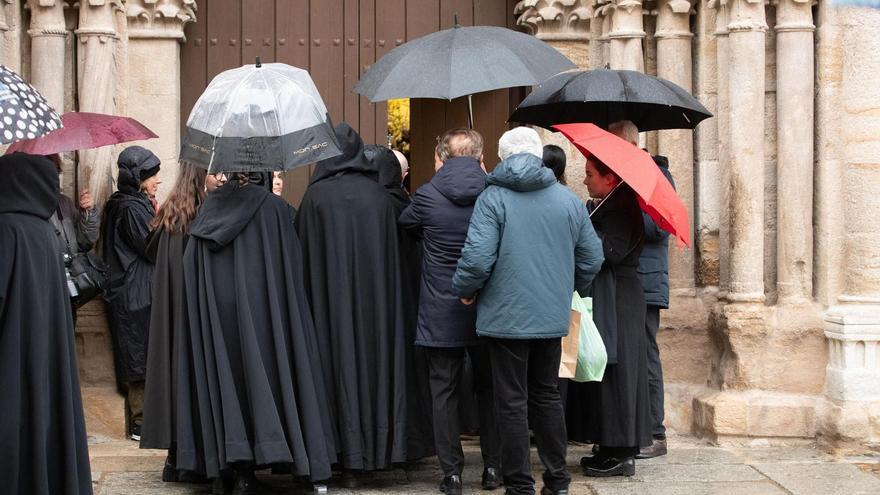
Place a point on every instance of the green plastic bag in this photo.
(592, 356)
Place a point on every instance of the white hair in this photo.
(520, 140)
(404, 163)
(626, 130)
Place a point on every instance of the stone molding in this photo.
(673, 19)
(47, 18)
(853, 333)
(96, 19)
(626, 19)
(746, 16)
(555, 20)
(157, 19)
(794, 15)
(4, 26)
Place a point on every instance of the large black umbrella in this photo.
(604, 96)
(461, 61)
(24, 113)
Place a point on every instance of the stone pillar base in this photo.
(732, 417)
(849, 427)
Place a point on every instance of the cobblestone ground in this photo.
(690, 468)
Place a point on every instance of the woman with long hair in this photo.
(168, 317)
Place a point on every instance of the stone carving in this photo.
(159, 18)
(555, 19)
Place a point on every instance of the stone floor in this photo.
(690, 468)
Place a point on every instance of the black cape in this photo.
(348, 226)
(43, 443)
(615, 412)
(419, 404)
(168, 320)
(250, 385)
(124, 232)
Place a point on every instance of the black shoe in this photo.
(491, 478)
(656, 449)
(550, 491)
(612, 467)
(136, 433)
(451, 485)
(169, 472)
(218, 487)
(246, 484)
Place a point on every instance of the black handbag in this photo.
(90, 275)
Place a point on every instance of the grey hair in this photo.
(520, 140)
(626, 130)
(459, 142)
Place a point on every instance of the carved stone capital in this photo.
(746, 15)
(159, 18)
(47, 18)
(673, 19)
(555, 19)
(3, 25)
(97, 18)
(626, 19)
(794, 15)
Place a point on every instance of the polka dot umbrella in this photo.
(24, 113)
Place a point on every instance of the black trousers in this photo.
(446, 366)
(526, 376)
(655, 372)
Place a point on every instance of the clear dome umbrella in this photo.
(259, 118)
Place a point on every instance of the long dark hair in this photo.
(183, 203)
(554, 159)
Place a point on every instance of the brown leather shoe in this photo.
(656, 449)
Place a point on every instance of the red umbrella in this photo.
(635, 167)
(83, 130)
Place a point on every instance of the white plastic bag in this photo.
(592, 356)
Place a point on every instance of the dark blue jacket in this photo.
(654, 261)
(441, 211)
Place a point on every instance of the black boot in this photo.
(169, 472)
(451, 485)
(491, 478)
(611, 466)
(549, 491)
(246, 483)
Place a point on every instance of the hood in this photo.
(30, 185)
(460, 180)
(387, 165)
(352, 158)
(226, 212)
(522, 172)
(136, 164)
(661, 161)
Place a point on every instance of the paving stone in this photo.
(773, 455)
(821, 479)
(699, 455)
(708, 473)
(695, 488)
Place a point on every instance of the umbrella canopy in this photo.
(84, 130)
(259, 118)
(635, 167)
(24, 113)
(461, 61)
(604, 96)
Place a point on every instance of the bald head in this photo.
(626, 130)
(404, 163)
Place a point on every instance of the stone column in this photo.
(48, 33)
(4, 28)
(155, 30)
(96, 76)
(596, 45)
(722, 19)
(675, 63)
(746, 26)
(794, 169)
(627, 33)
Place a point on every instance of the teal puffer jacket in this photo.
(529, 244)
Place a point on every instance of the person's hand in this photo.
(467, 301)
(85, 201)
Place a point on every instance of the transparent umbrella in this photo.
(259, 118)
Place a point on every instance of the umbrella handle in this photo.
(605, 198)
(470, 112)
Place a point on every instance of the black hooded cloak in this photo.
(43, 443)
(126, 225)
(419, 406)
(348, 226)
(250, 387)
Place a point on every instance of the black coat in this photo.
(250, 387)
(168, 323)
(441, 212)
(43, 443)
(615, 412)
(348, 226)
(124, 232)
(654, 261)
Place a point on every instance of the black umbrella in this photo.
(461, 61)
(24, 113)
(605, 96)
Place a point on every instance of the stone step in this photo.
(104, 409)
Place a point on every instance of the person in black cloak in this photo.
(124, 231)
(168, 319)
(43, 443)
(252, 363)
(614, 413)
(419, 430)
(348, 225)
